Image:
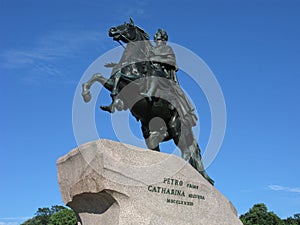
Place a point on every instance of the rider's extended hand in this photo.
(111, 64)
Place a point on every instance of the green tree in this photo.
(63, 217)
(259, 215)
(293, 221)
(32, 221)
(290, 221)
(56, 215)
(43, 215)
(297, 218)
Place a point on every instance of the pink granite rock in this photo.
(111, 183)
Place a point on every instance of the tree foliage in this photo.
(293, 220)
(63, 217)
(56, 215)
(259, 215)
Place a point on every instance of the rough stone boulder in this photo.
(111, 183)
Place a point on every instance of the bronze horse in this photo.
(129, 79)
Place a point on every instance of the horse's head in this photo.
(128, 32)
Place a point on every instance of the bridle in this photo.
(133, 42)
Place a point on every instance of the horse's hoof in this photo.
(86, 92)
(154, 139)
(86, 96)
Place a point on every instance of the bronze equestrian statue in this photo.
(145, 82)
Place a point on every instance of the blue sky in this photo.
(252, 47)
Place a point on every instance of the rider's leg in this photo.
(117, 77)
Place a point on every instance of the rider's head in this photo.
(161, 36)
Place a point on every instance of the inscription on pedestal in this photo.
(173, 188)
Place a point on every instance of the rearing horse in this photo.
(126, 84)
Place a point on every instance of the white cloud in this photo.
(9, 223)
(297, 190)
(44, 60)
(276, 187)
(283, 188)
(13, 220)
(53, 46)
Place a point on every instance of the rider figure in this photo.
(163, 61)
(164, 65)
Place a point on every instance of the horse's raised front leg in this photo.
(86, 94)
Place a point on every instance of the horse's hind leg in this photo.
(184, 141)
(152, 139)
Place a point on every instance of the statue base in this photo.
(111, 183)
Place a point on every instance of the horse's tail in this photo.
(197, 163)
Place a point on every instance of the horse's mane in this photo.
(143, 33)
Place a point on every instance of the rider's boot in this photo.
(115, 91)
(116, 104)
(109, 108)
